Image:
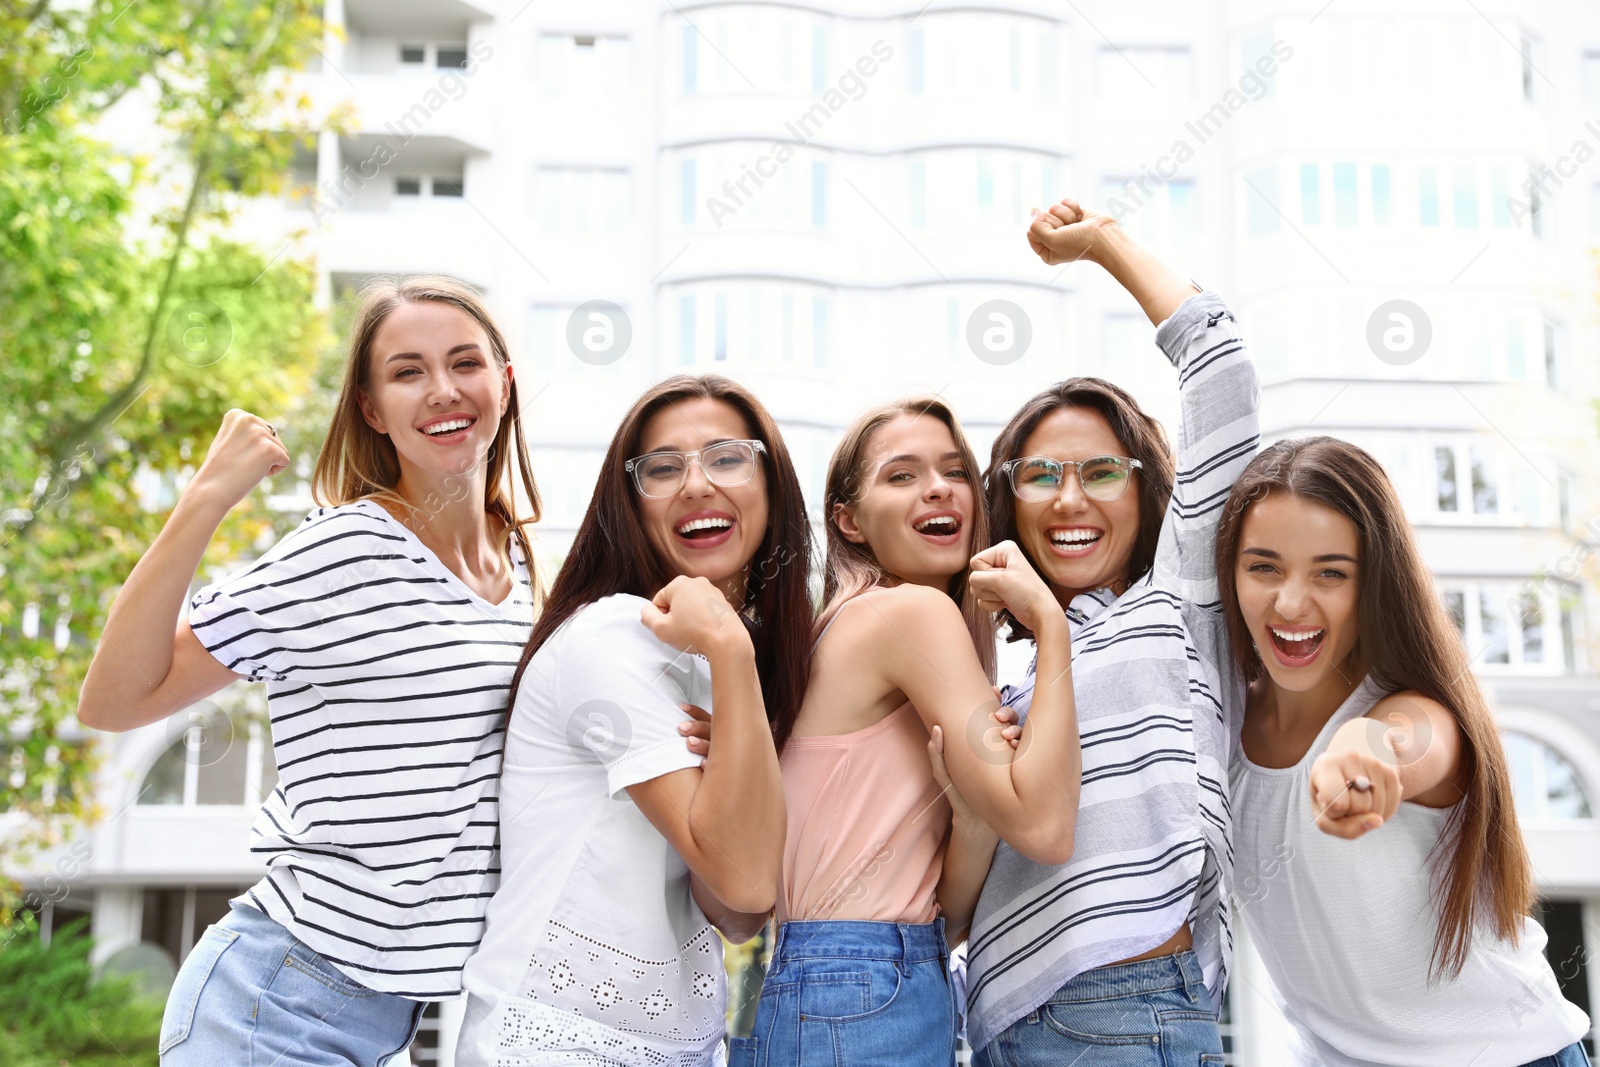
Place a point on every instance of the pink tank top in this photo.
(867, 825)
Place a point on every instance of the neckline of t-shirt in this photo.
(1339, 717)
(433, 562)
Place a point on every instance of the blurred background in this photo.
(825, 201)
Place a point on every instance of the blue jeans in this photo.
(843, 993)
(250, 994)
(1154, 1013)
(1571, 1056)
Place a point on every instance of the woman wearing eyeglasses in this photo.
(620, 851)
(1126, 946)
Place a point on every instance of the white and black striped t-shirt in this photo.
(1158, 706)
(387, 680)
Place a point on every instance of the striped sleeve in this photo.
(1220, 433)
(264, 621)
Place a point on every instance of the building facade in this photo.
(826, 202)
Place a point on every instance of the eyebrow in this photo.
(675, 448)
(906, 457)
(1331, 557)
(470, 346)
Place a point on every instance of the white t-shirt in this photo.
(387, 680)
(595, 952)
(1346, 929)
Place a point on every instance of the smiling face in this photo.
(704, 530)
(1080, 544)
(435, 389)
(916, 504)
(1296, 575)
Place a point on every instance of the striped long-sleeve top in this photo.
(1157, 706)
(387, 680)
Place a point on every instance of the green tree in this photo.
(129, 324)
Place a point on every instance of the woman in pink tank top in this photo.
(889, 837)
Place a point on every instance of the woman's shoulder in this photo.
(901, 612)
(617, 617)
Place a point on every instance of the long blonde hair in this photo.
(359, 463)
(852, 568)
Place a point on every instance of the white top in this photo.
(1347, 933)
(595, 952)
(387, 680)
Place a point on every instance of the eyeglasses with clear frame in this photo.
(726, 464)
(1038, 478)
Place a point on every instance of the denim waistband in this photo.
(1178, 971)
(854, 939)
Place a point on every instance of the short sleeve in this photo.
(620, 690)
(279, 615)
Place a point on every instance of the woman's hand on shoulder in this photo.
(1002, 577)
(692, 615)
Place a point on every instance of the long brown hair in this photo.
(851, 568)
(612, 554)
(359, 463)
(1405, 640)
(1141, 438)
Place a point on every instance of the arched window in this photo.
(1546, 786)
(218, 760)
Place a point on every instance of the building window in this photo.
(1566, 947)
(686, 192)
(1381, 214)
(916, 43)
(819, 331)
(451, 57)
(1428, 196)
(1500, 197)
(819, 59)
(1503, 624)
(220, 760)
(1552, 355)
(173, 918)
(1545, 785)
(691, 63)
(448, 187)
(413, 55)
(819, 195)
(1345, 213)
(1485, 498)
(408, 187)
(576, 200)
(1445, 477)
(686, 330)
(1310, 194)
(584, 70)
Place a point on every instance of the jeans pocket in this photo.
(867, 988)
(744, 1051)
(178, 1019)
(1122, 1021)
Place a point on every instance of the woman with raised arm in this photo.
(1127, 945)
(386, 627)
(1382, 873)
(876, 870)
(686, 584)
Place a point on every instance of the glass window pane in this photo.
(1444, 461)
(1344, 194)
(819, 194)
(1496, 649)
(164, 782)
(451, 58)
(412, 53)
(1427, 196)
(819, 331)
(448, 187)
(1485, 497)
(720, 328)
(914, 61)
(1530, 613)
(221, 781)
(917, 187)
(686, 341)
(1310, 194)
(1500, 196)
(1516, 363)
(819, 59)
(1380, 194)
(1455, 602)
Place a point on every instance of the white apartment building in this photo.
(818, 197)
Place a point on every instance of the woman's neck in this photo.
(1308, 709)
(448, 516)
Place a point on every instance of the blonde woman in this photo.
(387, 627)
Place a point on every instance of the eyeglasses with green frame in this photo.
(1039, 478)
(726, 464)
